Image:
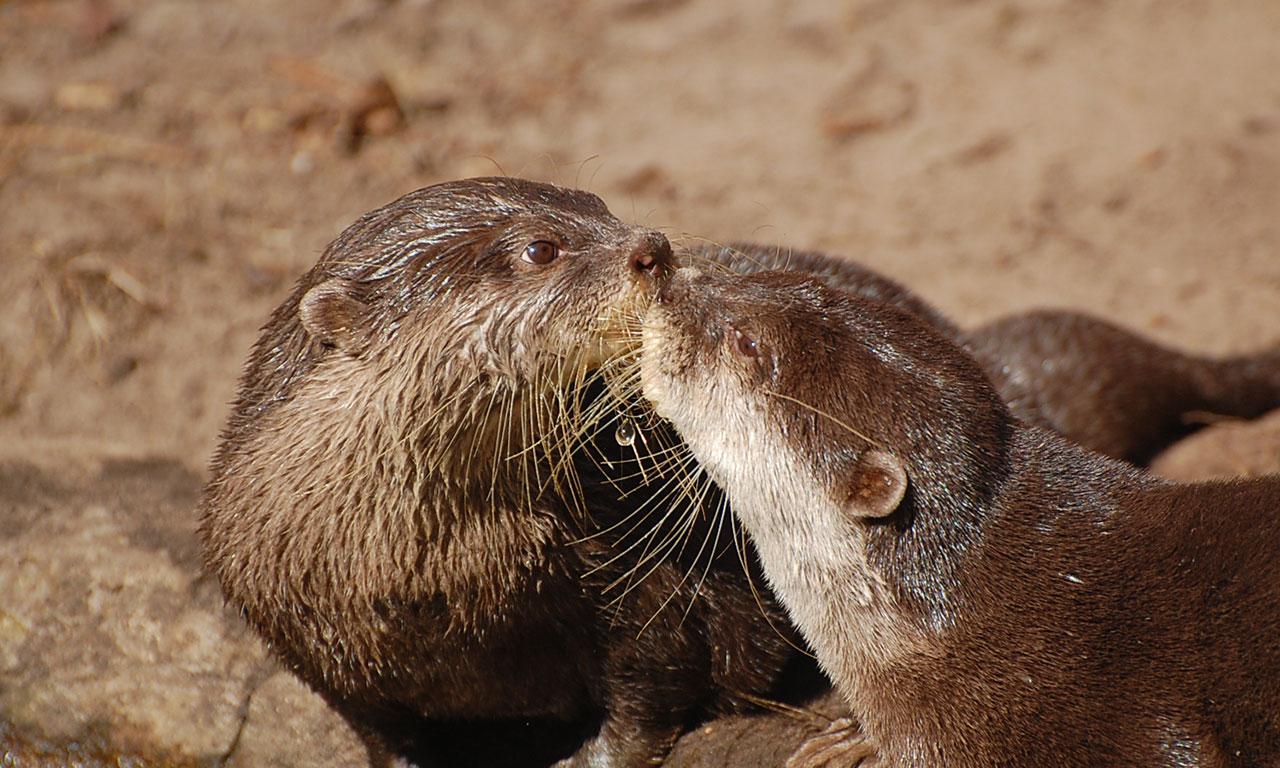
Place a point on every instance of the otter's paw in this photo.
(841, 745)
(619, 747)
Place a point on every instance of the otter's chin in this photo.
(654, 384)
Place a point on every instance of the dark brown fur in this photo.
(983, 591)
(380, 507)
(1103, 387)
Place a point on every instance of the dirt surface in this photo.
(168, 168)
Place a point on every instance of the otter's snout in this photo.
(652, 256)
(676, 289)
(671, 293)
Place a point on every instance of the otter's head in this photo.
(494, 275)
(398, 420)
(852, 439)
(446, 332)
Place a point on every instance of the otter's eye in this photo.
(743, 344)
(540, 252)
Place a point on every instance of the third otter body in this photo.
(982, 591)
(385, 507)
(1098, 384)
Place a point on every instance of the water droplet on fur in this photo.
(626, 434)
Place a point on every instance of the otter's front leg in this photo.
(653, 690)
(655, 679)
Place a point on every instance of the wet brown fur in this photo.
(982, 591)
(392, 508)
(1100, 385)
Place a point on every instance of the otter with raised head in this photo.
(391, 508)
(1099, 385)
(982, 591)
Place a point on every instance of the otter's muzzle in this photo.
(652, 257)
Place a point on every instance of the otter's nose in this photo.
(671, 292)
(652, 257)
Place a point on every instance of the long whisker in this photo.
(697, 503)
(834, 419)
(718, 528)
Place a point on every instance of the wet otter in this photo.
(982, 591)
(390, 507)
(1100, 385)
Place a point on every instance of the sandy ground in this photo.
(167, 169)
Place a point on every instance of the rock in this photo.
(110, 636)
(754, 741)
(1233, 448)
(287, 724)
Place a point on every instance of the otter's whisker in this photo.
(477, 437)
(690, 517)
(637, 516)
(719, 522)
(648, 553)
(836, 420)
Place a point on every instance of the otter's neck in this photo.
(957, 465)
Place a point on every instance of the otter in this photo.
(393, 507)
(1098, 384)
(982, 591)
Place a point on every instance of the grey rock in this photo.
(109, 631)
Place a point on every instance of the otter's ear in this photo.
(333, 316)
(877, 485)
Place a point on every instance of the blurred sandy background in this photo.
(167, 169)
